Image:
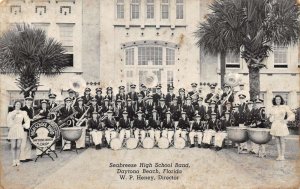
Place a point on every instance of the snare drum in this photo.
(131, 143)
(179, 143)
(115, 144)
(148, 143)
(163, 143)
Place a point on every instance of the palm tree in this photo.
(251, 28)
(27, 53)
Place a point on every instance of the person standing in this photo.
(25, 154)
(16, 130)
(279, 127)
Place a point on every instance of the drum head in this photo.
(131, 143)
(115, 144)
(148, 143)
(179, 143)
(163, 143)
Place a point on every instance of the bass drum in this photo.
(179, 143)
(131, 143)
(115, 144)
(163, 143)
(148, 143)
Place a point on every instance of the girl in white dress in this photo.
(279, 127)
(16, 121)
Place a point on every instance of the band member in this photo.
(144, 91)
(234, 117)
(183, 126)
(242, 108)
(168, 127)
(64, 113)
(157, 95)
(52, 102)
(200, 108)
(132, 94)
(226, 97)
(110, 126)
(181, 97)
(118, 111)
(44, 109)
(139, 126)
(162, 109)
(140, 105)
(175, 110)
(194, 91)
(154, 128)
(243, 92)
(121, 95)
(99, 97)
(170, 96)
(93, 107)
(110, 96)
(79, 121)
(96, 130)
(87, 96)
(213, 108)
(25, 152)
(72, 96)
(130, 109)
(212, 96)
(209, 132)
(149, 107)
(124, 126)
(189, 109)
(105, 107)
(196, 131)
(221, 131)
(17, 120)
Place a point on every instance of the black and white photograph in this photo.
(179, 94)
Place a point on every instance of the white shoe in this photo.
(17, 162)
(278, 158)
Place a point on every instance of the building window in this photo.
(170, 56)
(232, 60)
(150, 9)
(135, 9)
(285, 96)
(165, 9)
(150, 55)
(66, 38)
(15, 9)
(280, 57)
(130, 56)
(42, 26)
(120, 9)
(170, 78)
(179, 9)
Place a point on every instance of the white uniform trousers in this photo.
(124, 133)
(194, 134)
(219, 138)
(168, 134)
(80, 143)
(110, 134)
(67, 146)
(97, 136)
(207, 136)
(154, 134)
(25, 150)
(141, 132)
(181, 133)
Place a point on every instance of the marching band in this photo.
(156, 117)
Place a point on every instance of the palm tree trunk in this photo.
(223, 66)
(254, 82)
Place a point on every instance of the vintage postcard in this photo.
(149, 94)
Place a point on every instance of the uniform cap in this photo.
(194, 84)
(52, 95)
